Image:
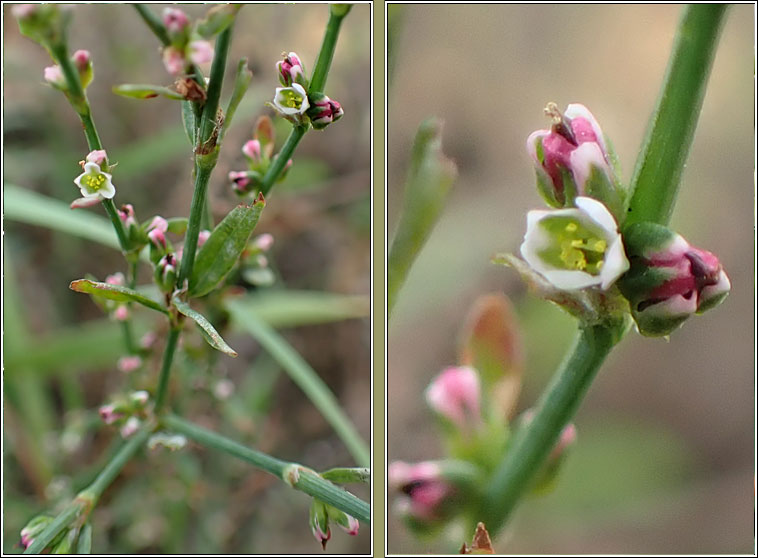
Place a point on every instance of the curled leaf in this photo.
(115, 292)
(206, 328)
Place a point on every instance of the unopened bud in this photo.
(291, 70)
(200, 52)
(54, 76)
(130, 427)
(176, 21)
(165, 273)
(83, 64)
(128, 364)
(173, 60)
(323, 111)
(455, 395)
(109, 414)
(319, 520)
(252, 150)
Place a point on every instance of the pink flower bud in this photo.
(425, 489)
(252, 150)
(116, 279)
(200, 52)
(156, 232)
(455, 395)
(81, 60)
(175, 20)
(130, 427)
(165, 272)
(81, 203)
(202, 236)
(99, 156)
(264, 242)
(290, 70)
(323, 111)
(173, 60)
(109, 415)
(140, 397)
(148, 340)
(128, 364)
(54, 76)
(127, 216)
(121, 313)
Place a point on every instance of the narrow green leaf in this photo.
(241, 83)
(143, 91)
(84, 543)
(429, 179)
(306, 378)
(345, 475)
(223, 248)
(286, 308)
(217, 19)
(188, 121)
(115, 292)
(209, 332)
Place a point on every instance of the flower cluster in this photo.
(296, 103)
(579, 248)
(259, 155)
(186, 46)
(128, 413)
(321, 514)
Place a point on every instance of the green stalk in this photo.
(82, 504)
(205, 163)
(154, 23)
(532, 443)
(284, 155)
(671, 129)
(168, 358)
(298, 477)
(325, 55)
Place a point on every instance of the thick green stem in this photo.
(83, 503)
(532, 443)
(325, 55)
(168, 359)
(205, 154)
(284, 155)
(672, 127)
(295, 475)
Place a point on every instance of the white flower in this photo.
(576, 247)
(291, 100)
(95, 183)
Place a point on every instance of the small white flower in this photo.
(576, 247)
(95, 183)
(291, 100)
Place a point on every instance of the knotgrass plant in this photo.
(203, 272)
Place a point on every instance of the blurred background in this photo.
(666, 433)
(60, 350)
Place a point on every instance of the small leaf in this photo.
(188, 121)
(223, 248)
(491, 343)
(217, 19)
(115, 292)
(241, 83)
(209, 332)
(139, 91)
(345, 475)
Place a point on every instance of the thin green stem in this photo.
(532, 443)
(154, 23)
(284, 155)
(168, 358)
(83, 503)
(325, 55)
(295, 475)
(205, 156)
(671, 129)
(118, 225)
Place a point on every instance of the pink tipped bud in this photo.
(200, 52)
(130, 427)
(128, 364)
(175, 20)
(81, 60)
(157, 238)
(173, 60)
(323, 111)
(116, 279)
(202, 237)
(158, 223)
(264, 242)
(425, 489)
(291, 70)
(455, 395)
(99, 157)
(109, 415)
(81, 203)
(54, 76)
(252, 150)
(140, 397)
(121, 313)
(127, 216)
(165, 273)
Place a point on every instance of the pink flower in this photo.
(290, 70)
(200, 52)
(425, 489)
(128, 364)
(54, 76)
(455, 395)
(175, 20)
(173, 60)
(252, 150)
(109, 414)
(81, 60)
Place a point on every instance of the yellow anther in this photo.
(600, 245)
(571, 227)
(578, 243)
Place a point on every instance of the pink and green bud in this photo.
(252, 150)
(264, 242)
(139, 398)
(99, 157)
(148, 341)
(35, 526)
(264, 133)
(165, 273)
(176, 22)
(347, 522)
(156, 234)
(121, 313)
(575, 248)
(291, 70)
(455, 395)
(425, 491)
(572, 159)
(669, 280)
(83, 63)
(54, 76)
(129, 363)
(323, 111)
(109, 414)
(94, 183)
(173, 60)
(81, 203)
(291, 102)
(245, 182)
(200, 52)
(130, 427)
(202, 238)
(319, 522)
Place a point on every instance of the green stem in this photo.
(205, 163)
(82, 504)
(325, 55)
(672, 126)
(532, 443)
(168, 358)
(118, 225)
(154, 23)
(284, 155)
(303, 479)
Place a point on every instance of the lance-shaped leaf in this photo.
(223, 248)
(491, 343)
(209, 332)
(217, 19)
(188, 121)
(346, 475)
(140, 91)
(115, 292)
(241, 83)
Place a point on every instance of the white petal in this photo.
(615, 264)
(531, 143)
(582, 159)
(673, 307)
(576, 109)
(598, 213)
(570, 280)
